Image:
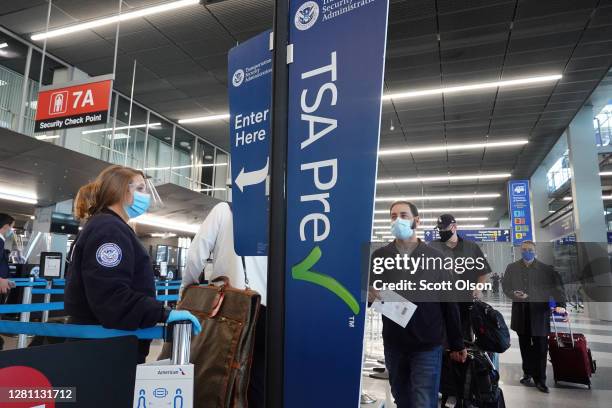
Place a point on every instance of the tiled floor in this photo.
(599, 337)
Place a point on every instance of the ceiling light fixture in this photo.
(204, 118)
(445, 210)
(187, 166)
(435, 219)
(472, 87)
(605, 173)
(114, 19)
(47, 137)
(451, 147)
(164, 223)
(3, 45)
(18, 197)
(86, 132)
(444, 178)
(439, 197)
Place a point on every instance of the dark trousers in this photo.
(534, 351)
(257, 384)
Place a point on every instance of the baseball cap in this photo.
(445, 220)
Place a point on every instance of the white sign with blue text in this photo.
(250, 71)
(162, 384)
(335, 89)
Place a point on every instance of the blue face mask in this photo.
(402, 229)
(528, 255)
(140, 205)
(9, 233)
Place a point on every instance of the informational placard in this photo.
(520, 211)
(74, 104)
(479, 235)
(50, 264)
(335, 89)
(162, 384)
(250, 87)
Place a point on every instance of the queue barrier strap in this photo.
(34, 307)
(59, 282)
(28, 283)
(169, 287)
(76, 330)
(169, 298)
(171, 282)
(47, 291)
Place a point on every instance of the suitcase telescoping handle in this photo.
(569, 325)
(181, 342)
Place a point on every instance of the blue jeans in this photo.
(414, 377)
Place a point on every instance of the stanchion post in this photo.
(275, 324)
(25, 316)
(167, 282)
(45, 315)
(181, 342)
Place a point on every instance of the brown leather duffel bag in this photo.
(222, 353)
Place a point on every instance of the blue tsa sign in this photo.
(250, 73)
(481, 235)
(335, 88)
(520, 211)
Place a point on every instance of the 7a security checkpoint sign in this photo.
(74, 104)
(335, 89)
(250, 74)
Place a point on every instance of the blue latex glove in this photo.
(177, 315)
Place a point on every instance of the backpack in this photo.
(489, 328)
(473, 383)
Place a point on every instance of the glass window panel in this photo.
(13, 56)
(159, 150)
(184, 146)
(49, 77)
(221, 175)
(205, 163)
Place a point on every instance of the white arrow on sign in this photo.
(252, 177)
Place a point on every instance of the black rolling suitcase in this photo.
(474, 383)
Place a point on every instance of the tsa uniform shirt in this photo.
(215, 240)
(111, 279)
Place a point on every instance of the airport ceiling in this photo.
(431, 43)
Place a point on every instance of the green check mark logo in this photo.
(302, 271)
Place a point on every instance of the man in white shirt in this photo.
(215, 240)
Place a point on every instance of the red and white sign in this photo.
(82, 104)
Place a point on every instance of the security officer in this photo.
(453, 246)
(111, 279)
(530, 284)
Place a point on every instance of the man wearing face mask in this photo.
(454, 246)
(531, 284)
(413, 354)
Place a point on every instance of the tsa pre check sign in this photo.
(335, 87)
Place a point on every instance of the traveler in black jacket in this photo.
(531, 284)
(413, 355)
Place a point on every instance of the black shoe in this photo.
(542, 387)
(526, 380)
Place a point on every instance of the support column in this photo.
(589, 219)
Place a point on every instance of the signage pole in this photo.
(275, 330)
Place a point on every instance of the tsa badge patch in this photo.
(108, 255)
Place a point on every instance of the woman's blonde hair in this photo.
(84, 201)
(111, 187)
